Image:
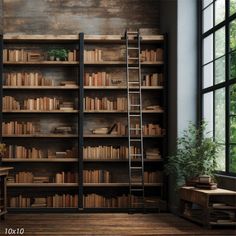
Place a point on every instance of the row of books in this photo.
(153, 80)
(105, 103)
(57, 200)
(38, 104)
(26, 79)
(98, 79)
(152, 55)
(109, 152)
(28, 177)
(152, 177)
(94, 200)
(96, 176)
(22, 55)
(93, 55)
(21, 152)
(94, 79)
(15, 127)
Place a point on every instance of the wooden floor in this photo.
(106, 224)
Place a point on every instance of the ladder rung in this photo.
(136, 168)
(134, 115)
(132, 32)
(133, 92)
(136, 155)
(133, 68)
(132, 48)
(133, 58)
(133, 82)
(137, 190)
(135, 140)
(134, 105)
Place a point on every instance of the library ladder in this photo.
(135, 133)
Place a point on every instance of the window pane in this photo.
(232, 61)
(232, 97)
(220, 42)
(219, 11)
(232, 6)
(208, 112)
(208, 18)
(206, 3)
(221, 158)
(208, 75)
(232, 159)
(208, 49)
(232, 28)
(220, 70)
(232, 129)
(220, 115)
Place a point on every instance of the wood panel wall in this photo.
(74, 16)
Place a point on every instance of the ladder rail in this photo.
(138, 138)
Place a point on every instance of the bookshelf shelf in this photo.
(59, 63)
(40, 160)
(41, 185)
(123, 63)
(109, 67)
(40, 111)
(121, 87)
(118, 136)
(122, 160)
(115, 111)
(41, 87)
(120, 185)
(40, 136)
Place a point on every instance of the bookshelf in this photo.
(97, 159)
(40, 122)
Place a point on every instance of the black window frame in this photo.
(225, 84)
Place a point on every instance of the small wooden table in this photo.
(3, 190)
(198, 205)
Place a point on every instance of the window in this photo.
(218, 77)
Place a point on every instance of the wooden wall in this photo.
(74, 16)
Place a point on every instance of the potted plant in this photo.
(51, 54)
(195, 156)
(61, 54)
(2, 150)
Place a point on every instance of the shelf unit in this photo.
(84, 118)
(45, 140)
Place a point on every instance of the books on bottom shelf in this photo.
(52, 201)
(94, 200)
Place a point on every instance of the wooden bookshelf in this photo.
(41, 87)
(59, 63)
(113, 62)
(39, 111)
(122, 87)
(40, 160)
(20, 185)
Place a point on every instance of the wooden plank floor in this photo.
(106, 224)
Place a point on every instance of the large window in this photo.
(218, 77)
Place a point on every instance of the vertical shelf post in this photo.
(81, 117)
(1, 90)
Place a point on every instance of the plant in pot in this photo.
(61, 54)
(51, 54)
(195, 156)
